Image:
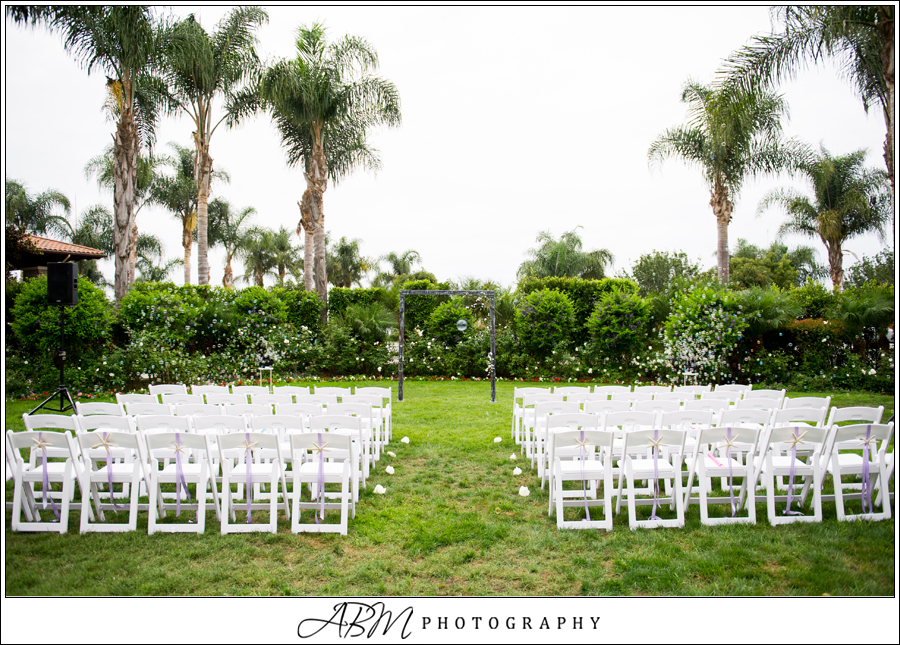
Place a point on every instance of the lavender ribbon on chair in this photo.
(730, 444)
(179, 476)
(320, 448)
(866, 485)
(248, 461)
(106, 445)
(655, 443)
(796, 439)
(46, 479)
(581, 444)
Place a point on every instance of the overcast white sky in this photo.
(515, 120)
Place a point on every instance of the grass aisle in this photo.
(452, 523)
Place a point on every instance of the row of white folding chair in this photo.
(134, 469)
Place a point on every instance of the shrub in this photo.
(442, 322)
(369, 322)
(618, 324)
(304, 309)
(814, 298)
(36, 323)
(340, 298)
(419, 308)
(545, 321)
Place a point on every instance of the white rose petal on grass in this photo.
(404, 440)
(379, 490)
(517, 471)
(392, 454)
(498, 439)
(389, 470)
(524, 492)
(513, 456)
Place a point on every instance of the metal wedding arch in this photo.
(439, 292)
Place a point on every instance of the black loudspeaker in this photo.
(62, 283)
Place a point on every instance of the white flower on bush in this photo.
(404, 440)
(389, 470)
(524, 492)
(379, 490)
(517, 471)
(498, 439)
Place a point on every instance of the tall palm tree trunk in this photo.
(228, 278)
(836, 264)
(722, 208)
(887, 61)
(317, 183)
(204, 174)
(187, 240)
(125, 149)
(132, 252)
(306, 225)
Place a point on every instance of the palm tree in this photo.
(564, 258)
(226, 227)
(859, 38)
(152, 271)
(345, 265)
(400, 265)
(730, 135)
(256, 252)
(849, 200)
(102, 167)
(284, 255)
(178, 194)
(324, 102)
(201, 68)
(123, 43)
(37, 214)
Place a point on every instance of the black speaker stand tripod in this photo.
(66, 402)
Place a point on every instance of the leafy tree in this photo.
(879, 268)
(860, 39)
(226, 228)
(123, 43)
(653, 271)
(564, 258)
(400, 266)
(202, 69)
(731, 135)
(849, 200)
(345, 265)
(324, 102)
(751, 266)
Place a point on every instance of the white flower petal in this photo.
(513, 456)
(389, 470)
(524, 492)
(404, 440)
(517, 471)
(379, 490)
(498, 439)
(392, 454)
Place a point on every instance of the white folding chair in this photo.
(734, 387)
(380, 419)
(690, 421)
(716, 460)
(583, 455)
(780, 448)
(656, 405)
(536, 449)
(165, 388)
(246, 409)
(225, 398)
(304, 410)
(758, 403)
(346, 425)
(236, 455)
(653, 389)
(631, 396)
(518, 408)
(653, 455)
(322, 458)
(872, 466)
(766, 394)
(197, 410)
(152, 409)
(612, 389)
(44, 472)
(182, 399)
(620, 424)
(290, 390)
(271, 399)
(601, 407)
(192, 465)
(332, 391)
(107, 423)
(387, 396)
(247, 390)
(814, 402)
(209, 389)
(99, 468)
(528, 417)
(572, 393)
(92, 408)
(123, 399)
(695, 390)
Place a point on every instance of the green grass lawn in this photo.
(452, 523)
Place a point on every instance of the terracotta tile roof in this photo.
(55, 246)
